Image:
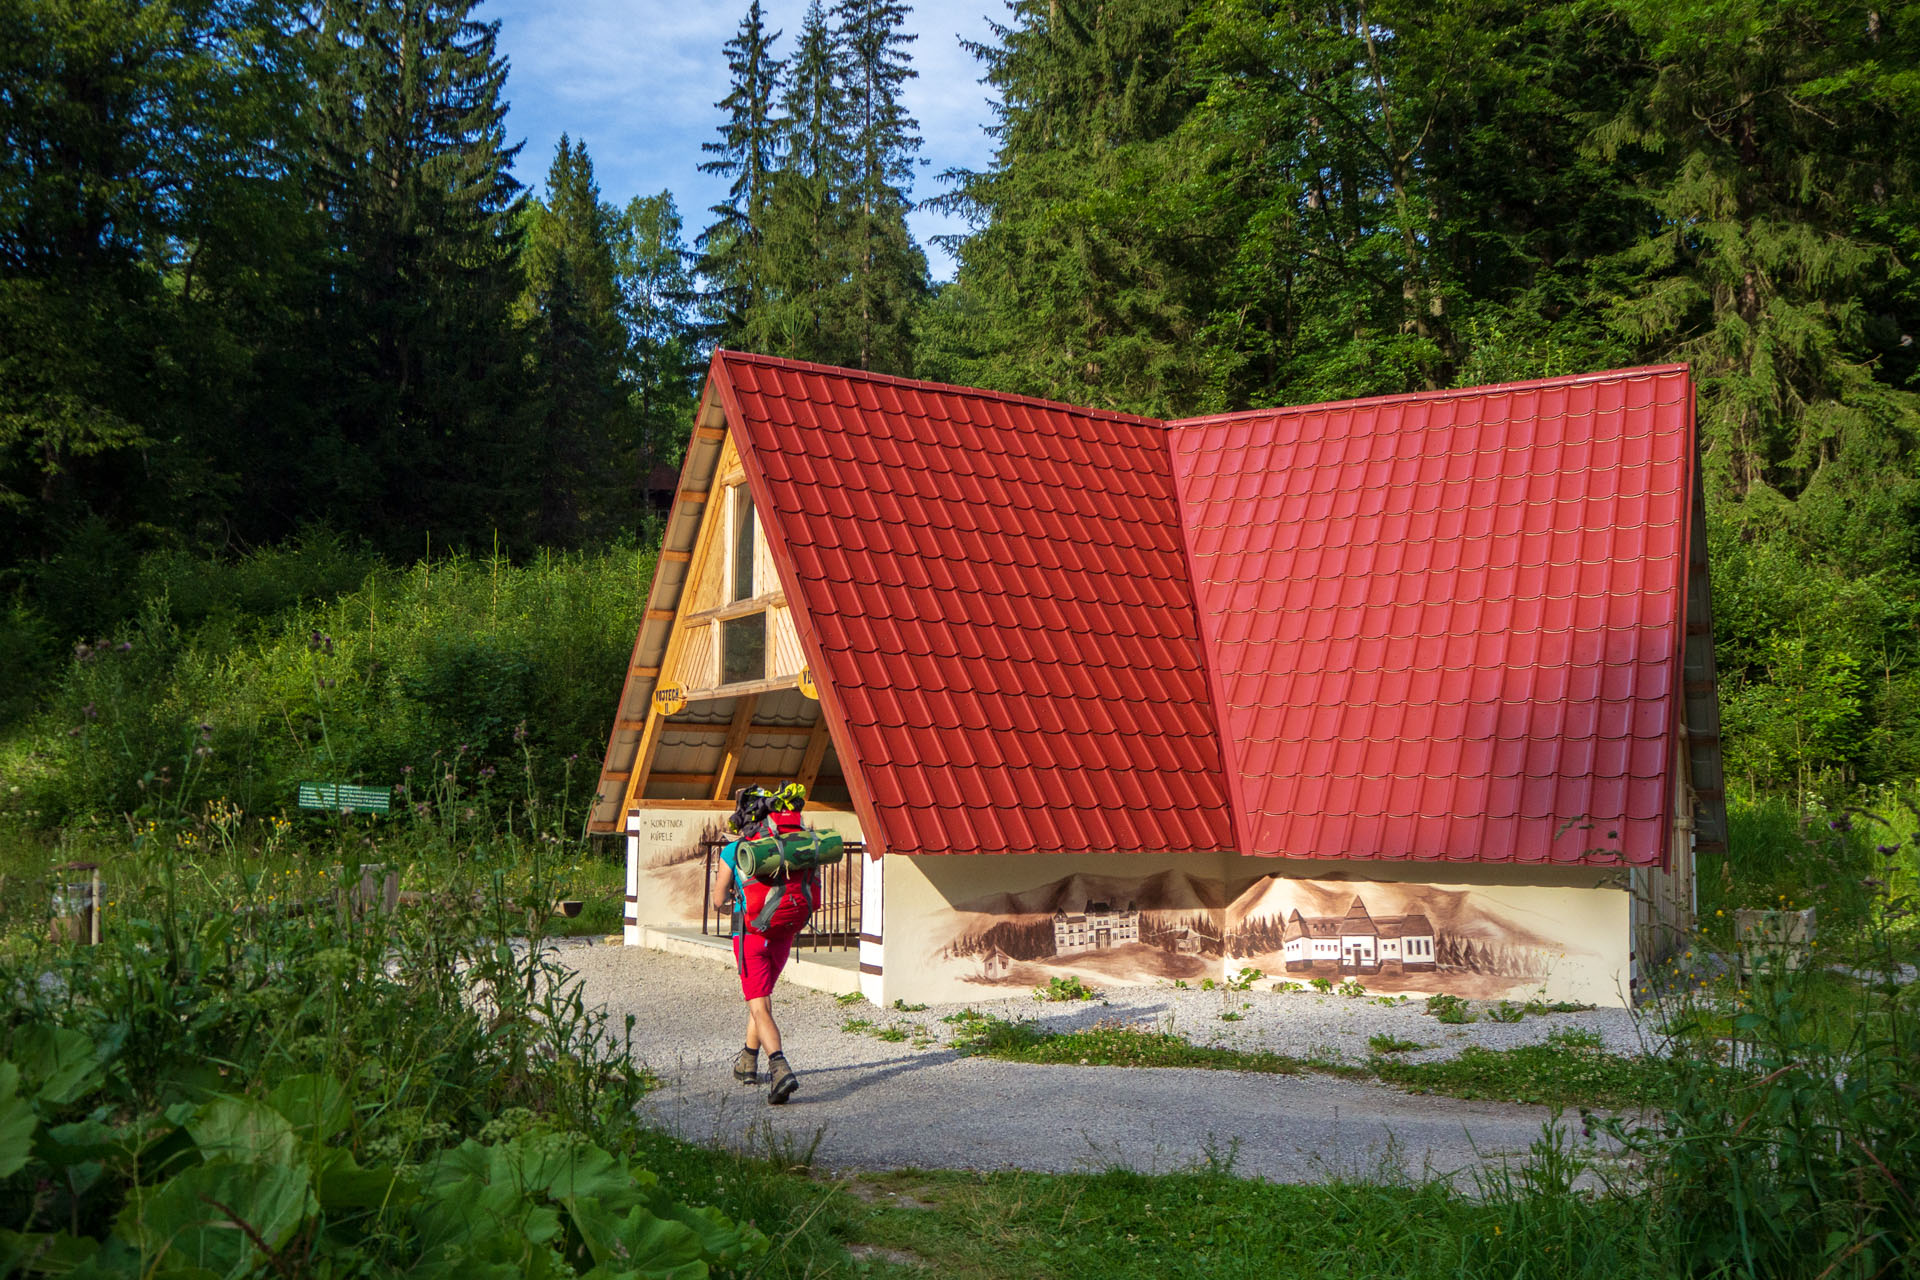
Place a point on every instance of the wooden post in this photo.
(736, 735)
(817, 743)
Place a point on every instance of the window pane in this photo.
(743, 649)
(742, 544)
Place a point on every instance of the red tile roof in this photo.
(993, 594)
(1442, 626)
(1447, 626)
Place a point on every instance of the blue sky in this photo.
(637, 80)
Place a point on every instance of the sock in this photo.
(750, 1052)
(776, 1054)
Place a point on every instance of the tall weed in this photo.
(460, 661)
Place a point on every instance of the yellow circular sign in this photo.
(806, 684)
(669, 702)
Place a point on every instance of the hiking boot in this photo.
(782, 1080)
(746, 1066)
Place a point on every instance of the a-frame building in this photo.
(1450, 651)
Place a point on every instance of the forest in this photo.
(267, 282)
(332, 448)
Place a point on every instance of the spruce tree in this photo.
(581, 437)
(415, 333)
(807, 237)
(747, 152)
(663, 351)
(888, 271)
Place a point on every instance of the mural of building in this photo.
(1358, 943)
(1432, 672)
(1095, 929)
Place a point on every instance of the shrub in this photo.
(456, 667)
(1067, 988)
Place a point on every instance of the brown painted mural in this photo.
(1163, 926)
(1389, 937)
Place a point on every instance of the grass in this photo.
(1110, 1045)
(1569, 1070)
(1554, 1074)
(1384, 1043)
(1203, 1222)
(1207, 1223)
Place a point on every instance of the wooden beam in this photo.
(659, 615)
(646, 673)
(709, 433)
(642, 762)
(736, 734)
(693, 495)
(763, 730)
(724, 806)
(675, 557)
(818, 741)
(706, 779)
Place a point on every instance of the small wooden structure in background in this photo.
(76, 905)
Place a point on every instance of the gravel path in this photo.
(877, 1104)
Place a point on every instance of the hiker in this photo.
(767, 916)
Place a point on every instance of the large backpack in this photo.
(780, 855)
(774, 860)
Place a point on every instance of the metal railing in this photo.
(836, 920)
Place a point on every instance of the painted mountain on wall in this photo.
(1166, 925)
(1390, 936)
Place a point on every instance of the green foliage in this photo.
(1446, 1008)
(460, 668)
(1799, 1156)
(1569, 1070)
(1065, 989)
(1108, 1045)
(1385, 1043)
(258, 1087)
(581, 416)
(656, 292)
(810, 255)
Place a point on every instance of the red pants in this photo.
(761, 957)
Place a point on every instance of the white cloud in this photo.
(637, 80)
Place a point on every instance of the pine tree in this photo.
(807, 235)
(1066, 288)
(889, 271)
(581, 429)
(747, 152)
(147, 238)
(656, 288)
(1777, 174)
(415, 335)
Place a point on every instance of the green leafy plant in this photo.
(1322, 985)
(1506, 1011)
(1288, 986)
(904, 1007)
(1385, 1043)
(1244, 980)
(1449, 1008)
(1059, 990)
(1351, 989)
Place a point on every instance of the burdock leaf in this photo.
(16, 1123)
